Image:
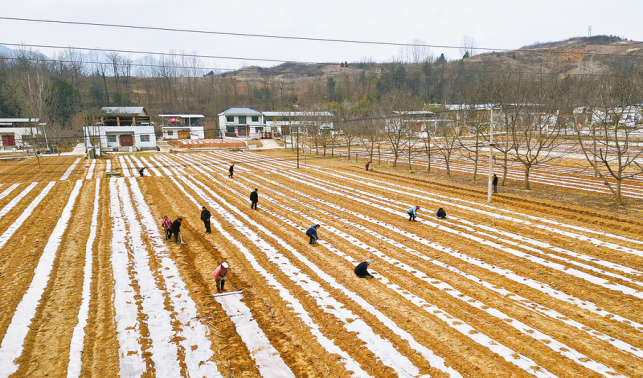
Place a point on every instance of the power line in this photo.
(377, 65)
(237, 34)
(283, 37)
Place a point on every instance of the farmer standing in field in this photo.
(176, 229)
(231, 170)
(205, 217)
(220, 274)
(495, 183)
(312, 234)
(361, 269)
(141, 171)
(413, 212)
(167, 224)
(254, 198)
(367, 165)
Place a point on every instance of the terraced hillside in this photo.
(91, 287)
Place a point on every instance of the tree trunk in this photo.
(527, 177)
(619, 199)
(446, 160)
(475, 166)
(505, 168)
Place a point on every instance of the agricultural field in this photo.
(516, 288)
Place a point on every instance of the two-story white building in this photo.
(241, 122)
(16, 132)
(182, 126)
(122, 129)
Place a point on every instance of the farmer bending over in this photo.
(413, 212)
(312, 234)
(361, 269)
(220, 274)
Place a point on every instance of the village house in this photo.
(124, 129)
(283, 123)
(182, 126)
(413, 121)
(241, 122)
(15, 133)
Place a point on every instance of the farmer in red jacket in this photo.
(220, 274)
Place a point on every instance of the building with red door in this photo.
(123, 129)
(16, 133)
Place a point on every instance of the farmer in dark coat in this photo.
(231, 170)
(141, 171)
(176, 229)
(361, 269)
(205, 217)
(495, 183)
(312, 234)
(254, 198)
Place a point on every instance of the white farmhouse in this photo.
(16, 132)
(182, 126)
(286, 122)
(125, 129)
(240, 122)
(416, 122)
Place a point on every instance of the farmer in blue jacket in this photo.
(312, 234)
(413, 212)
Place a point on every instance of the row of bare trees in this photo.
(537, 118)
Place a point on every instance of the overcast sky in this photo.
(492, 24)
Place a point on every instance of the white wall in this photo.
(137, 131)
(18, 133)
(223, 123)
(196, 132)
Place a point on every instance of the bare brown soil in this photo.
(289, 197)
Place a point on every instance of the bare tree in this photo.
(446, 138)
(470, 140)
(418, 52)
(605, 135)
(396, 106)
(428, 134)
(535, 120)
(467, 46)
(370, 131)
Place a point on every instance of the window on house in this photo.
(242, 119)
(229, 118)
(230, 129)
(111, 138)
(145, 138)
(255, 118)
(170, 132)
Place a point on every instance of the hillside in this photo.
(582, 55)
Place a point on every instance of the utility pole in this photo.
(297, 145)
(490, 156)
